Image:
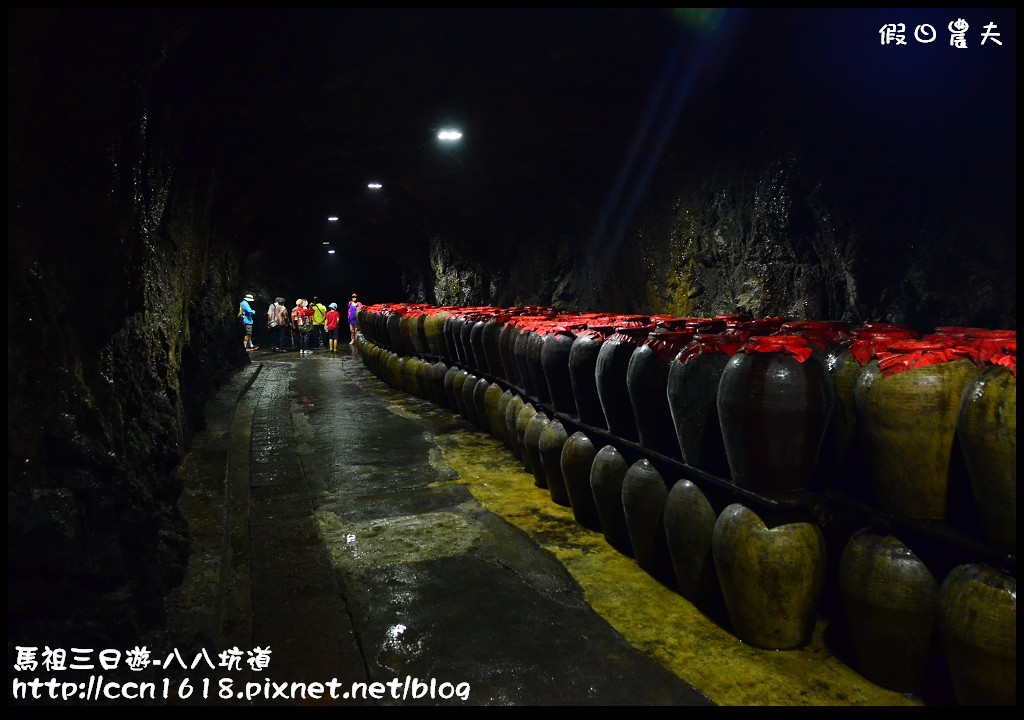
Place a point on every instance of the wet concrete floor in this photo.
(367, 536)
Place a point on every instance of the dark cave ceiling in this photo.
(315, 104)
(298, 109)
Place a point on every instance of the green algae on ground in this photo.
(652, 617)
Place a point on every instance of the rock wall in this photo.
(789, 165)
(767, 240)
(121, 321)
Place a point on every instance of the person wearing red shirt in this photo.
(331, 322)
(302, 321)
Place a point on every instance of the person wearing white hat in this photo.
(246, 313)
(302, 321)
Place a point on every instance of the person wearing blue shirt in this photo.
(246, 314)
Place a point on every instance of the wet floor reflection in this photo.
(435, 452)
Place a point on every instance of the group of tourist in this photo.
(309, 325)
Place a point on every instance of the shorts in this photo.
(333, 334)
(247, 328)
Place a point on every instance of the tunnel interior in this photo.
(163, 163)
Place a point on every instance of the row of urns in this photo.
(773, 406)
(760, 574)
